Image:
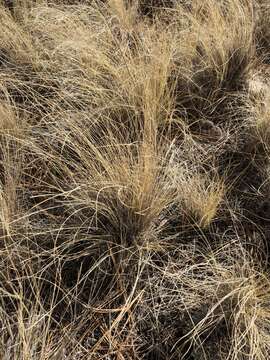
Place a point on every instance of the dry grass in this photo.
(134, 180)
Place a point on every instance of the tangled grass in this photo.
(134, 179)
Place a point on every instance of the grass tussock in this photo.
(134, 180)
